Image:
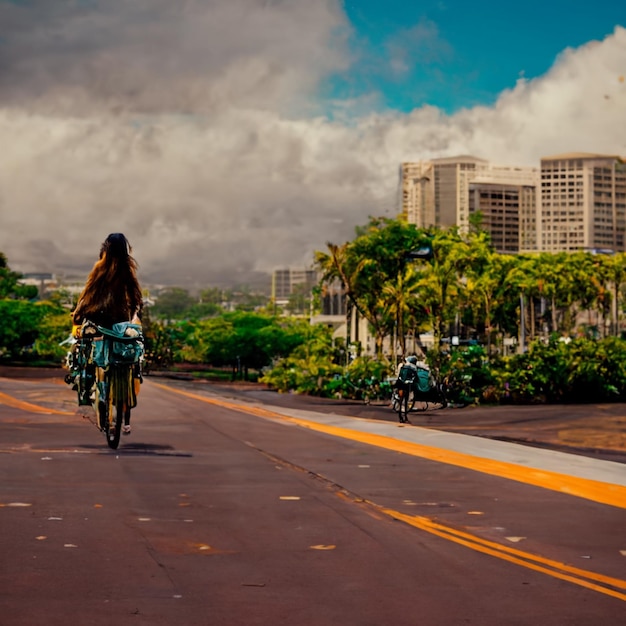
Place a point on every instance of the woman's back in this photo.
(112, 293)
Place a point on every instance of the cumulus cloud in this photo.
(196, 129)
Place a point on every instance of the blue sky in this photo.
(455, 54)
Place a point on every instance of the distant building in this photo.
(445, 192)
(418, 198)
(333, 299)
(451, 188)
(499, 206)
(351, 327)
(333, 308)
(583, 202)
(285, 282)
(509, 214)
(44, 281)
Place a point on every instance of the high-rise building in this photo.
(418, 193)
(451, 180)
(445, 192)
(583, 202)
(507, 198)
(499, 206)
(284, 282)
(432, 190)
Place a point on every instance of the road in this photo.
(227, 511)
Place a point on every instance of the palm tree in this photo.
(615, 266)
(367, 265)
(337, 266)
(487, 292)
(441, 284)
(399, 299)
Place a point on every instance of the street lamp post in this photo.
(424, 253)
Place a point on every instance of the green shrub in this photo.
(356, 381)
(466, 373)
(302, 374)
(581, 370)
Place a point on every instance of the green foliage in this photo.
(538, 375)
(466, 373)
(302, 374)
(20, 326)
(10, 286)
(365, 367)
(182, 337)
(176, 303)
(368, 264)
(54, 328)
(212, 295)
(203, 310)
(359, 379)
(309, 366)
(29, 330)
(172, 303)
(244, 299)
(464, 282)
(159, 344)
(581, 370)
(248, 340)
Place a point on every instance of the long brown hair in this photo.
(112, 292)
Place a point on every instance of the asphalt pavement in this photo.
(233, 504)
(592, 430)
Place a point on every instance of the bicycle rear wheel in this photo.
(406, 403)
(120, 390)
(115, 429)
(405, 407)
(100, 400)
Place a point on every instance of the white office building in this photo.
(583, 202)
(445, 192)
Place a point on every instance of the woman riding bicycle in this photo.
(112, 293)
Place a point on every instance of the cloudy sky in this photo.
(231, 137)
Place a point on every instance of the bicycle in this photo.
(417, 389)
(403, 400)
(105, 365)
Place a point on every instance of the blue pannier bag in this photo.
(120, 345)
(407, 374)
(424, 380)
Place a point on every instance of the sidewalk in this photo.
(576, 475)
(593, 430)
(526, 456)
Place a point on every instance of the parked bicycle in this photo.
(417, 389)
(105, 371)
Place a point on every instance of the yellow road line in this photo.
(577, 576)
(597, 491)
(27, 406)
(584, 578)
